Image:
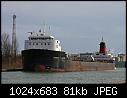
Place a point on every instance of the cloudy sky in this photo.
(79, 25)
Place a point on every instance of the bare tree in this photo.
(6, 47)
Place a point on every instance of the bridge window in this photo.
(48, 43)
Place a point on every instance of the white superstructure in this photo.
(41, 40)
(103, 57)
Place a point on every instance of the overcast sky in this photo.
(79, 25)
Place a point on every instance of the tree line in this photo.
(9, 58)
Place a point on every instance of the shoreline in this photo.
(14, 69)
(52, 70)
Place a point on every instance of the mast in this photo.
(102, 39)
(44, 28)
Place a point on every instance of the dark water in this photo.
(86, 77)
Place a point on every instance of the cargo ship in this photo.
(43, 52)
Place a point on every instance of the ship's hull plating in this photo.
(47, 60)
(41, 60)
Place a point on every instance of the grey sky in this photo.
(79, 25)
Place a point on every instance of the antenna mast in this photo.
(44, 28)
(102, 38)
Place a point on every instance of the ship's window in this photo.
(34, 38)
(41, 43)
(36, 43)
(33, 43)
(48, 43)
(45, 43)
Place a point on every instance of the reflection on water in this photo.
(87, 77)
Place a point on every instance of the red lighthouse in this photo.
(102, 47)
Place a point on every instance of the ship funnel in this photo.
(102, 47)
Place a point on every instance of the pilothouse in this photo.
(42, 40)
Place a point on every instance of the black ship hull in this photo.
(42, 60)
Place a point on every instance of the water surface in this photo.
(85, 77)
